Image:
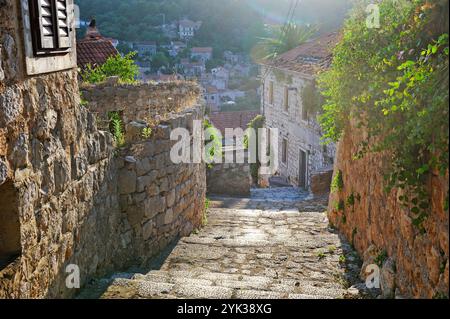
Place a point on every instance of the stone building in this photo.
(70, 198)
(289, 103)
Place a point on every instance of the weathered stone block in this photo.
(135, 215)
(10, 106)
(143, 166)
(147, 230)
(133, 131)
(169, 216)
(170, 198)
(127, 181)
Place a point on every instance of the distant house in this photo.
(94, 49)
(212, 98)
(231, 57)
(240, 70)
(192, 69)
(176, 47)
(187, 28)
(145, 48)
(230, 95)
(233, 120)
(202, 53)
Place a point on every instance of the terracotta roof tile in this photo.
(94, 51)
(223, 120)
(310, 57)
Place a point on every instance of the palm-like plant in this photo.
(283, 39)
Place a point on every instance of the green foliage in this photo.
(255, 124)
(342, 259)
(116, 128)
(337, 184)
(380, 258)
(321, 255)
(311, 98)
(160, 60)
(394, 82)
(351, 200)
(122, 66)
(284, 38)
(215, 147)
(146, 133)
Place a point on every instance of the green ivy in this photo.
(337, 184)
(393, 81)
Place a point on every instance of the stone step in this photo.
(146, 289)
(300, 286)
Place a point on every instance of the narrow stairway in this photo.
(250, 248)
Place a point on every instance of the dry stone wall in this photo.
(62, 197)
(161, 200)
(414, 264)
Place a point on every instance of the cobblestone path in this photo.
(250, 248)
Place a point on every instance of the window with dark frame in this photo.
(271, 85)
(50, 26)
(286, 99)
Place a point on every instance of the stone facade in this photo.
(301, 134)
(414, 264)
(67, 196)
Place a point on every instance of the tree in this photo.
(160, 60)
(283, 39)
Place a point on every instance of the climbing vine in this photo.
(393, 81)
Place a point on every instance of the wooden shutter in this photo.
(63, 24)
(46, 24)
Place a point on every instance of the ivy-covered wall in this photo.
(414, 261)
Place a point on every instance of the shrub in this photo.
(121, 66)
(393, 81)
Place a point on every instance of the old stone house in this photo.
(286, 104)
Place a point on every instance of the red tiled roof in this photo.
(94, 51)
(202, 50)
(310, 57)
(223, 120)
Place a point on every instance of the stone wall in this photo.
(229, 179)
(59, 176)
(144, 102)
(321, 181)
(415, 264)
(161, 200)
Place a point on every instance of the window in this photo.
(50, 26)
(286, 99)
(284, 151)
(271, 92)
(304, 113)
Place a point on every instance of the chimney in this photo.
(92, 32)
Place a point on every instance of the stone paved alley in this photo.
(277, 244)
